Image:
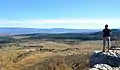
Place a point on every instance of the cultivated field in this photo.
(47, 55)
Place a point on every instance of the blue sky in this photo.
(77, 14)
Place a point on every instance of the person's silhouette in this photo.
(106, 37)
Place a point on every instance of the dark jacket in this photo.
(106, 32)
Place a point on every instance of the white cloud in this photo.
(68, 23)
(77, 21)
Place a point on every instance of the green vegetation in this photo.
(7, 39)
(66, 36)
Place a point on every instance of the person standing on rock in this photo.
(106, 37)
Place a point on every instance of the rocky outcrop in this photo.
(105, 61)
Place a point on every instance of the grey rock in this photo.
(103, 67)
(105, 61)
(109, 58)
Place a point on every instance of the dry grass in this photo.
(69, 62)
(63, 57)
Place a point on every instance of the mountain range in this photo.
(14, 31)
(54, 35)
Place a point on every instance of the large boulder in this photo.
(108, 58)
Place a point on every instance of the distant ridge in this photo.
(14, 31)
(81, 36)
(115, 32)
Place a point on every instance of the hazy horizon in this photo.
(57, 28)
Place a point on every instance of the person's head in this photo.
(106, 26)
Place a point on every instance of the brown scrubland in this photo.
(47, 55)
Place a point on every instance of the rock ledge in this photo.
(105, 61)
